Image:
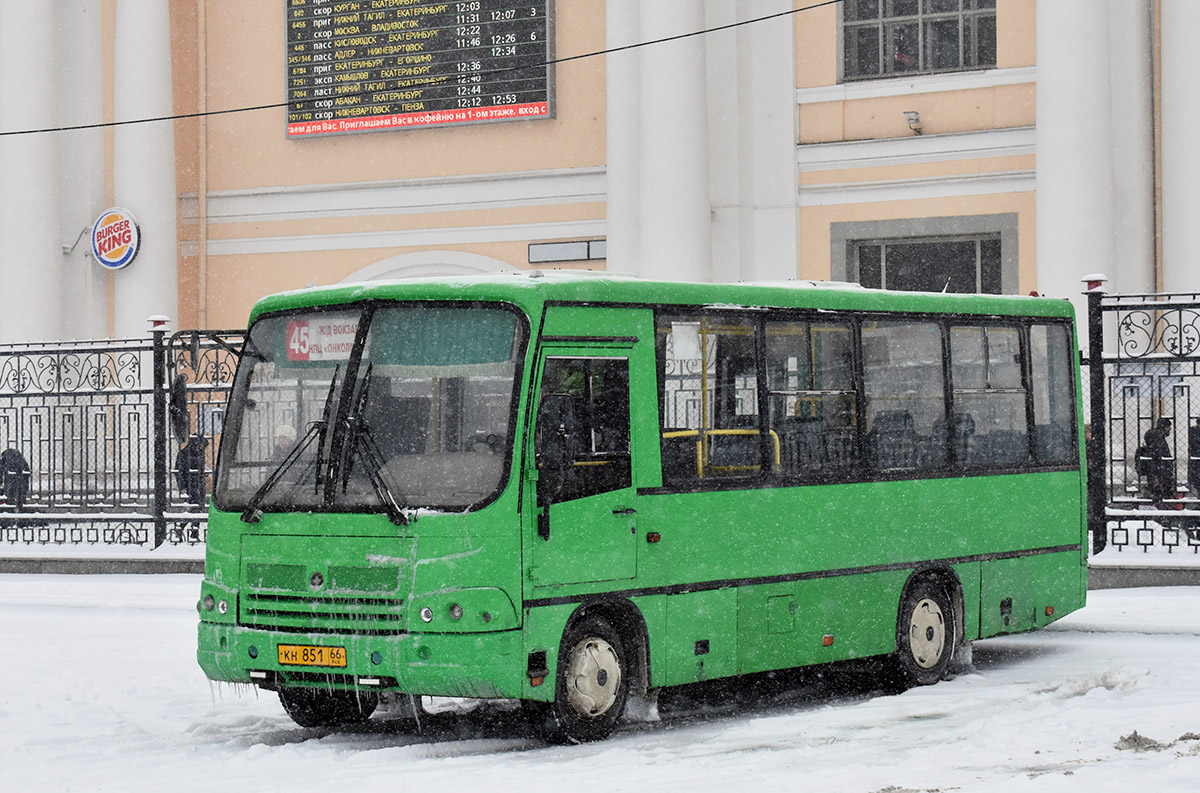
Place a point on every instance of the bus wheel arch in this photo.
(602, 662)
(929, 627)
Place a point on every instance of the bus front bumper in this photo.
(478, 665)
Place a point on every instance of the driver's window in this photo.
(582, 432)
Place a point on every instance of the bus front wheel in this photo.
(925, 635)
(311, 707)
(592, 684)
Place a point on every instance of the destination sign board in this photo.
(371, 65)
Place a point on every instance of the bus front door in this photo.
(584, 501)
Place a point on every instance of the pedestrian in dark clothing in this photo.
(1159, 467)
(1193, 469)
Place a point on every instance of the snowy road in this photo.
(99, 691)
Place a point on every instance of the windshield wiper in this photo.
(361, 443)
(316, 431)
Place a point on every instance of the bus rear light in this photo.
(536, 681)
(1049, 611)
(827, 640)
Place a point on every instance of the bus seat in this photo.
(802, 444)
(893, 441)
(841, 447)
(963, 439)
(1002, 447)
(680, 454)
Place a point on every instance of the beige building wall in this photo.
(859, 160)
(280, 213)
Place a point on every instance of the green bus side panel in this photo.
(653, 609)
(969, 577)
(543, 631)
(787, 624)
(701, 638)
(1016, 593)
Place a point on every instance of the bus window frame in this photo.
(860, 471)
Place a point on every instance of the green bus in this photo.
(575, 491)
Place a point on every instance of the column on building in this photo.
(1180, 152)
(32, 266)
(1074, 144)
(82, 168)
(144, 162)
(1131, 76)
(751, 117)
(660, 139)
(623, 28)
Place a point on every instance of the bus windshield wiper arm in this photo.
(252, 513)
(362, 444)
(367, 450)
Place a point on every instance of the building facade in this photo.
(969, 145)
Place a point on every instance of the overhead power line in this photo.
(427, 81)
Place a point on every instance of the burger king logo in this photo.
(115, 238)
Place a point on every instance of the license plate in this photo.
(308, 655)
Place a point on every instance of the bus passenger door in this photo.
(584, 502)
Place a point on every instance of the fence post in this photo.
(158, 325)
(1097, 462)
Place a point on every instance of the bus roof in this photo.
(531, 289)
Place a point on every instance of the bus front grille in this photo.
(304, 614)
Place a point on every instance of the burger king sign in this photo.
(115, 238)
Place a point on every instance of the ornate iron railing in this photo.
(86, 456)
(1144, 368)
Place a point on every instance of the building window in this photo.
(576, 251)
(888, 37)
(966, 265)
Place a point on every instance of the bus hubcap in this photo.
(927, 633)
(593, 677)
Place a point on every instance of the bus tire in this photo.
(310, 707)
(925, 636)
(592, 683)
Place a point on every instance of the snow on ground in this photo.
(99, 691)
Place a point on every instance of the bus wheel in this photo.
(925, 639)
(592, 683)
(311, 707)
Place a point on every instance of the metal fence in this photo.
(111, 443)
(1143, 372)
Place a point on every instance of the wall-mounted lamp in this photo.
(914, 121)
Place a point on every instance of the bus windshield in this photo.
(373, 409)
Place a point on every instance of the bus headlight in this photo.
(427, 614)
(209, 602)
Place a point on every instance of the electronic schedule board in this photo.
(371, 65)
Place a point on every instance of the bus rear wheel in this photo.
(592, 684)
(925, 636)
(311, 707)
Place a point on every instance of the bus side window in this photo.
(1053, 386)
(904, 387)
(581, 441)
(811, 398)
(711, 427)
(987, 371)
